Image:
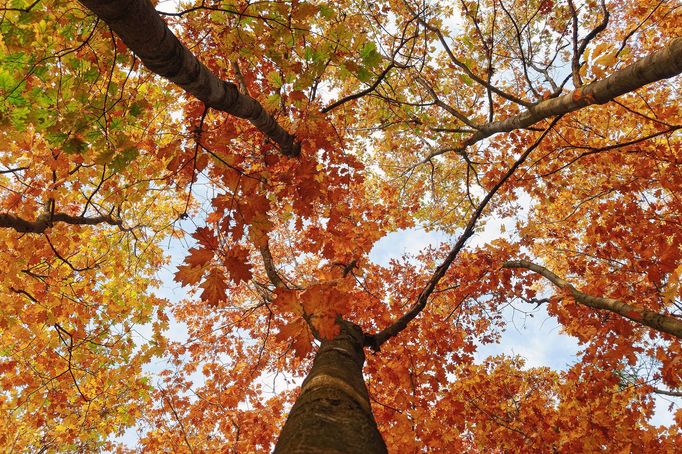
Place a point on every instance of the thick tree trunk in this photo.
(659, 65)
(332, 413)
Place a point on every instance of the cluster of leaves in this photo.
(80, 128)
(282, 247)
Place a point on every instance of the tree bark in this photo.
(332, 414)
(662, 64)
(659, 322)
(141, 28)
(46, 220)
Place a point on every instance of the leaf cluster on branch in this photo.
(278, 143)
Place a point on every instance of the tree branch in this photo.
(140, 26)
(666, 392)
(457, 62)
(360, 93)
(595, 31)
(662, 64)
(270, 269)
(376, 340)
(646, 317)
(22, 10)
(46, 220)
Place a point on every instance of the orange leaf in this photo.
(286, 301)
(214, 288)
(198, 257)
(297, 332)
(236, 262)
(326, 326)
(189, 275)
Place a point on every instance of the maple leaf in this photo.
(189, 275)
(286, 300)
(258, 230)
(326, 326)
(206, 238)
(298, 334)
(214, 288)
(236, 263)
(199, 257)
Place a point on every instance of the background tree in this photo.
(362, 119)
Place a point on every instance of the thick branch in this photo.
(270, 269)
(662, 64)
(277, 281)
(646, 317)
(140, 26)
(44, 221)
(666, 392)
(22, 10)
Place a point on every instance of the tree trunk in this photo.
(332, 413)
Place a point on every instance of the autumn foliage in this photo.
(337, 124)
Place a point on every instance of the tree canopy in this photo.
(292, 136)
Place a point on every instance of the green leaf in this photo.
(367, 49)
(364, 75)
(105, 157)
(6, 81)
(136, 109)
(274, 79)
(369, 54)
(19, 117)
(75, 145)
(326, 11)
(123, 159)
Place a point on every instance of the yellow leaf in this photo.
(607, 60)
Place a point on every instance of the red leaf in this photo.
(214, 288)
(199, 257)
(206, 238)
(236, 262)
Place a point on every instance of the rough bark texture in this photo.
(141, 28)
(332, 413)
(659, 322)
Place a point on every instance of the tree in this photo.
(354, 120)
